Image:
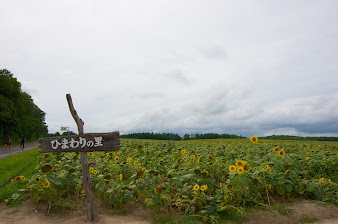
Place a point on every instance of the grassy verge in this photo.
(22, 164)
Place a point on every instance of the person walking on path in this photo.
(8, 142)
(22, 142)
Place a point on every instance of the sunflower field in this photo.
(203, 178)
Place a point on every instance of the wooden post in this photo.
(92, 214)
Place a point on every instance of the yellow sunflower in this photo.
(232, 168)
(90, 153)
(187, 156)
(281, 153)
(183, 151)
(276, 149)
(240, 170)
(254, 139)
(247, 167)
(239, 163)
(117, 158)
(196, 187)
(46, 184)
(120, 177)
(204, 187)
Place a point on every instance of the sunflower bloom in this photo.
(240, 170)
(204, 187)
(117, 158)
(247, 168)
(90, 153)
(254, 139)
(276, 149)
(281, 153)
(232, 168)
(239, 163)
(46, 184)
(183, 151)
(196, 187)
(120, 177)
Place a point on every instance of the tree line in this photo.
(19, 116)
(291, 137)
(157, 136)
(176, 137)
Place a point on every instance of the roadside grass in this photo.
(22, 164)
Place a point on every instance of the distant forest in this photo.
(176, 137)
(290, 137)
(19, 116)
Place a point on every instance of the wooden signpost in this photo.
(82, 143)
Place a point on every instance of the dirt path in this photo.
(300, 211)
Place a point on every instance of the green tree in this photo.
(19, 116)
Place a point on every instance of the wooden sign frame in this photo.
(82, 143)
(89, 142)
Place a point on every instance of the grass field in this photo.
(22, 164)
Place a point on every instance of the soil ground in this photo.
(300, 211)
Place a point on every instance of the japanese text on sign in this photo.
(81, 143)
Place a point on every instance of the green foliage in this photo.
(194, 178)
(13, 167)
(214, 136)
(20, 164)
(147, 135)
(19, 116)
(290, 137)
(66, 133)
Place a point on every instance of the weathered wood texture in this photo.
(92, 214)
(88, 142)
(76, 117)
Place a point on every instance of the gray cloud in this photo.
(133, 66)
(214, 52)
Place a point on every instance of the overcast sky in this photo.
(238, 67)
